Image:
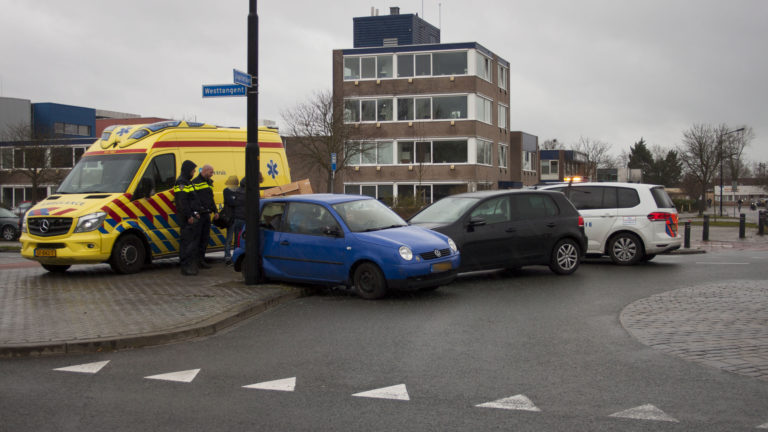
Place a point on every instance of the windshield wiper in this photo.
(383, 228)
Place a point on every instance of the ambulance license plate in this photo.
(45, 252)
(441, 267)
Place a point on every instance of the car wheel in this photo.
(9, 233)
(55, 268)
(127, 255)
(625, 249)
(369, 281)
(565, 257)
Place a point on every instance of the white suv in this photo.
(630, 222)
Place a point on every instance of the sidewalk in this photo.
(720, 238)
(91, 309)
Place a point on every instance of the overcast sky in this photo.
(608, 70)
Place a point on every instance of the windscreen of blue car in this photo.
(367, 215)
(445, 211)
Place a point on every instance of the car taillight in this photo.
(581, 222)
(659, 216)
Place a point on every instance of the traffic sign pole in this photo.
(252, 156)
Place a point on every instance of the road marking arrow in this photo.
(644, 412)
(89, 368)
(518, 402)
(183, 376)
(397, 392)
(287, 384)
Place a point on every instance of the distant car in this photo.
(510, 229)
(349, 240)
(9, 225)
(22, 208)
(629, 222)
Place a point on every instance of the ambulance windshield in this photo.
(102, 173)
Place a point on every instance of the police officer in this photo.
(204, 188)
(188, 208)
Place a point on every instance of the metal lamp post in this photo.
(722, 136)
(252, 153)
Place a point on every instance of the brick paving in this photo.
(723, 325)
(90, 308)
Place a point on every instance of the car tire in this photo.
(128, 255)
(565, 257)
(369, 281)
(55, 268)
(9, 233)
(625, 249)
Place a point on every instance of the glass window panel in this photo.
(483, 152)
(384, 109)
(352, 150)
(386, 194)
(483, 110)
(502, 116)
(7, 158)
(424, 152)
(385, 153)
(442, 191)
(449, 151)
(368, 110)
(70, 129)
(351, 111)
(83, 130)
(502, 155)
(424, 193)
(79, 153)
(384, 66)
(351, 68)
(61, 157)
(423, 108)
(405, 65)
(404, 193)
(503, 77)
(405, 152)
(483, 67)
(405, 109)
(368, 67)
(368, 156)
(449, 107)
(352, 189)
(423, 65)
(450, 63)
(369, 190)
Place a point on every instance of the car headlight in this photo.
(406, 253)
(452, 244)
(90, 222)
(24, 224)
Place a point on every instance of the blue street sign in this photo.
(224, 90)
(333, 161)
(242, 78)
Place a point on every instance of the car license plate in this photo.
(45, 252)
(441, 267)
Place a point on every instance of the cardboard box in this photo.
(296, 188)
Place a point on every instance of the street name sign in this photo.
(242, 78)
(224, 90)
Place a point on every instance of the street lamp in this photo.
(720, 140)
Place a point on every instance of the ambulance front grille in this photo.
(49, 226)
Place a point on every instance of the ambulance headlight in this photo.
(90, 222)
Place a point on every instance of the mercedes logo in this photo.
(437, 253)
(45, 226)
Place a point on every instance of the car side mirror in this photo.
(476, 221)
(332, 231)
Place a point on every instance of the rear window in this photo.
(662, 199)
(628, 198)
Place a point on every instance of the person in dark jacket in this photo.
(204, 188)
(188, 208)
(234, 200)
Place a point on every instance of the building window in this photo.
(382, 192)
(528, 160)
(483, 67)
(370, 153)
(368, 110)
(61, 157)
(405, 109)
(503, 77)
(404, 65)
(503, 113)
(449, 63)
(423, 64)
(503, 149)
(384, 66)
(6, 158)
(367, 67)
(483, 110)
(484, 152)
(351, 111)
(449, 151)
(550, 167)
(351, 68)
(449, 107)
(423, 108)
(384, 109)
(408, 109)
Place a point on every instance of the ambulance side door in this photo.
(154, 213)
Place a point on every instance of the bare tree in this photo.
(321, 131)
(700, 155)
(597, 156)
(552, 144)
(32, 157)
(733, 151)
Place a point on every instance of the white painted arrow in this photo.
(89, 368)
(183, 376)
(644, 412)
(518, 402)
(287, 384)
(397, 392)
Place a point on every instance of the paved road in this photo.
(552, 350)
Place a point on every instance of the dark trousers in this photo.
(205, 235)
(189, 243)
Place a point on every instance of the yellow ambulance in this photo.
(117, 206)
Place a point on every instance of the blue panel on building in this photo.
(407, 29)
(73, 121)
(549, 154)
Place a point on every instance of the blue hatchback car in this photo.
(350, 240)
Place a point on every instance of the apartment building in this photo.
(428, 119)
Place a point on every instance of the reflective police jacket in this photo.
(204, 190)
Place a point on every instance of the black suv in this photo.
(510, 229)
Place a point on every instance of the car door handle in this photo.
(284, 243)
(551, 225)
